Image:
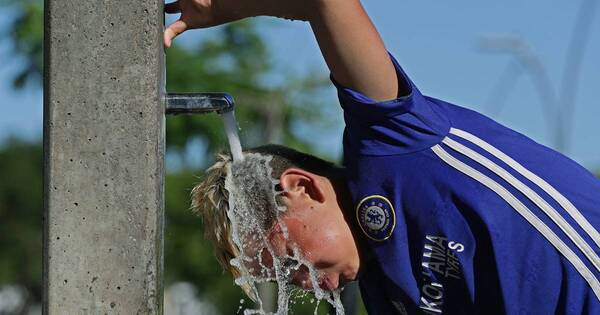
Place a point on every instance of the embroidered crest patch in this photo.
(376, 217)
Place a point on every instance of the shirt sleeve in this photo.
(405, 124)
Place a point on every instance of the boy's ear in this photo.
(297, 182)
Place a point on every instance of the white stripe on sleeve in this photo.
(525, 213)
(557, 196)
(531, 195)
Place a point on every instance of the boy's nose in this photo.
(329, 283)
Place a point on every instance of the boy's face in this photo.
(316, 227)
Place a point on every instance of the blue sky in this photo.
(21, 112)
(437, 44)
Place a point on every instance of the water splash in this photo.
(253, 207)
(231, 130)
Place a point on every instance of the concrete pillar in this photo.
(104, 145)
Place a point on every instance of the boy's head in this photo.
(300, 212)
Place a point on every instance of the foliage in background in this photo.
(20, 216)
(27, 34)
(236, 60)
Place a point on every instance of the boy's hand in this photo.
(206, 13)
(348, 40)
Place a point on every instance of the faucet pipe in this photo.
(198, 103)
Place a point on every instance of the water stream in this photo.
(231, 130)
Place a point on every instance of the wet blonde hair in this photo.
(210, 199)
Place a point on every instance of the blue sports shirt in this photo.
(462, 215)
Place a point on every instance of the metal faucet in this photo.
(198, 103)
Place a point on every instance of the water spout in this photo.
(203, 103)
(198, 103)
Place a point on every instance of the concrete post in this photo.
(104, 145)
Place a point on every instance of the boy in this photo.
(438, 209)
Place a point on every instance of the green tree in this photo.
(236, 60)
(20, 216)
(26, 32)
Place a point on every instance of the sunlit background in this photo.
(531, 65)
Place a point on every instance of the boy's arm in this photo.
(353, 49)
(350, 44)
